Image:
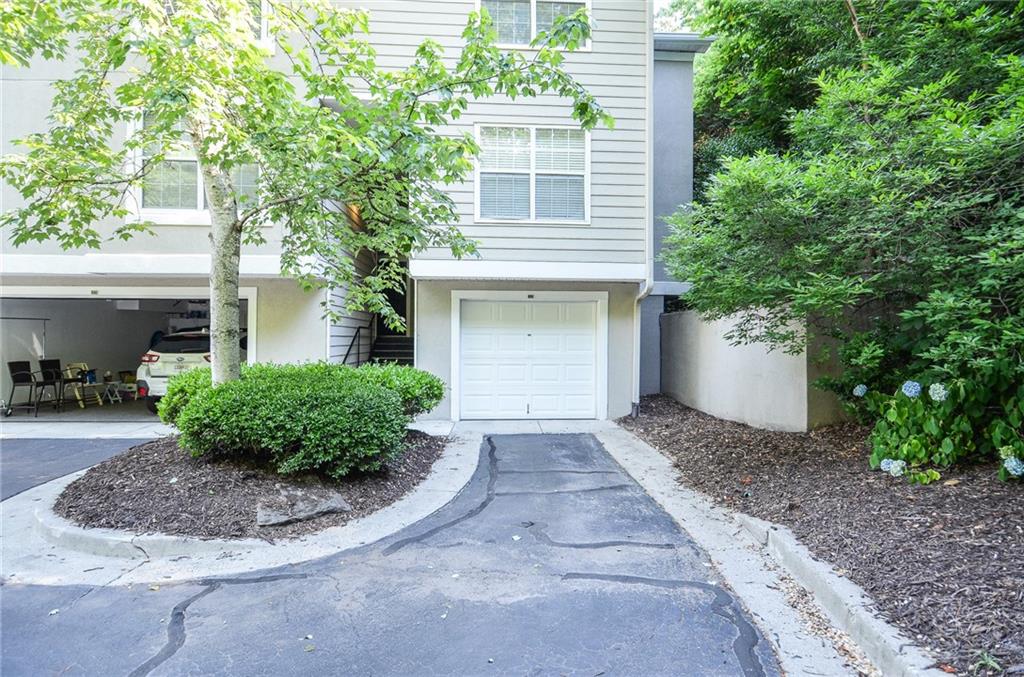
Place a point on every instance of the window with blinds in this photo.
(176, 183)
(518, 22)
(532, 174)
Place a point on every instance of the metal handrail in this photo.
(352, 343)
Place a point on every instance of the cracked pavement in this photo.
(550, 561)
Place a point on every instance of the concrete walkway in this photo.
(551, 561)
(127, 420)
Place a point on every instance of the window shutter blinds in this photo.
(560, 197)
(505, 196)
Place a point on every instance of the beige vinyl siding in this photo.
(343, 329)
(614, 70)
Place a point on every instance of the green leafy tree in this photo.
(894, 223)
(351, 157)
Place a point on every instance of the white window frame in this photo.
(477, 218)
(585, 47)
(264, 37)
(200, 216)
(159, 215)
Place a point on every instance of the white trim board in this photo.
(152, 265)
(481, 269)
(601, 347)
(249, 294)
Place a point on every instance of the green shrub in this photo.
(180, 389)
(947, 423)
(420, 391)
(298, 418)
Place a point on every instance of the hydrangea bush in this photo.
(915, 435)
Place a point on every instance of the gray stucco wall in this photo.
(672, 157)
(672, 183)
(651, 309)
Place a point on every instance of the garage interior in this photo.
(108, 334)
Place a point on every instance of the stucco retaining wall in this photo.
(748, 383)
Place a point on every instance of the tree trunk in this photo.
(225, 253)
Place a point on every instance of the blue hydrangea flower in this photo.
(911, 388)
(860, 390)
(897, 468)
(938, 392)
(885, 465)
(1014, 466)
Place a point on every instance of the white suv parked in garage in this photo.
(173, 354)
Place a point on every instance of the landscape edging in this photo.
(846, 603)
(156, 553)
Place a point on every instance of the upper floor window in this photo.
(176, 183)
(519, 21)
(533, 174)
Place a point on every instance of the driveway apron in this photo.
(551, 561)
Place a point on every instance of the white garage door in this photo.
(528, 359)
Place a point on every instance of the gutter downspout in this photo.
(648, 283)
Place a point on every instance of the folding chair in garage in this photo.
(76, 377)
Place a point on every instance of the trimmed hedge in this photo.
(420, 391)
(318, 417)
(180, 390)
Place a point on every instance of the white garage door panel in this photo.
(534, 359)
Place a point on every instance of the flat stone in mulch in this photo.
(944, 562)
(159, 488)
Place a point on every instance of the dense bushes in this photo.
(297, 418)
(889, 218)
(420, 391)
(181, 389)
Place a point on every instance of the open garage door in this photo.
(107, 333)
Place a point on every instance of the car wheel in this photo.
(151, 404)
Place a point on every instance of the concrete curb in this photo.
(43, 548)
(846, 603)
(847, 607)
(122, 544)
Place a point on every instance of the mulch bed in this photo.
(944, 561)
(157, 487)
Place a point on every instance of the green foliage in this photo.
(892, 221)
(180, 390)
(979, 418)
(710, 153)
(419, 390)
(763, 62)
(768, 57)
(297, 419)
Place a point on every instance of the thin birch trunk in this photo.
(225, 254)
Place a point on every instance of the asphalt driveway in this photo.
(551, 561)
(26, 463)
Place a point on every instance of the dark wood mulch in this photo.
(944, 561)
(157, 487)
